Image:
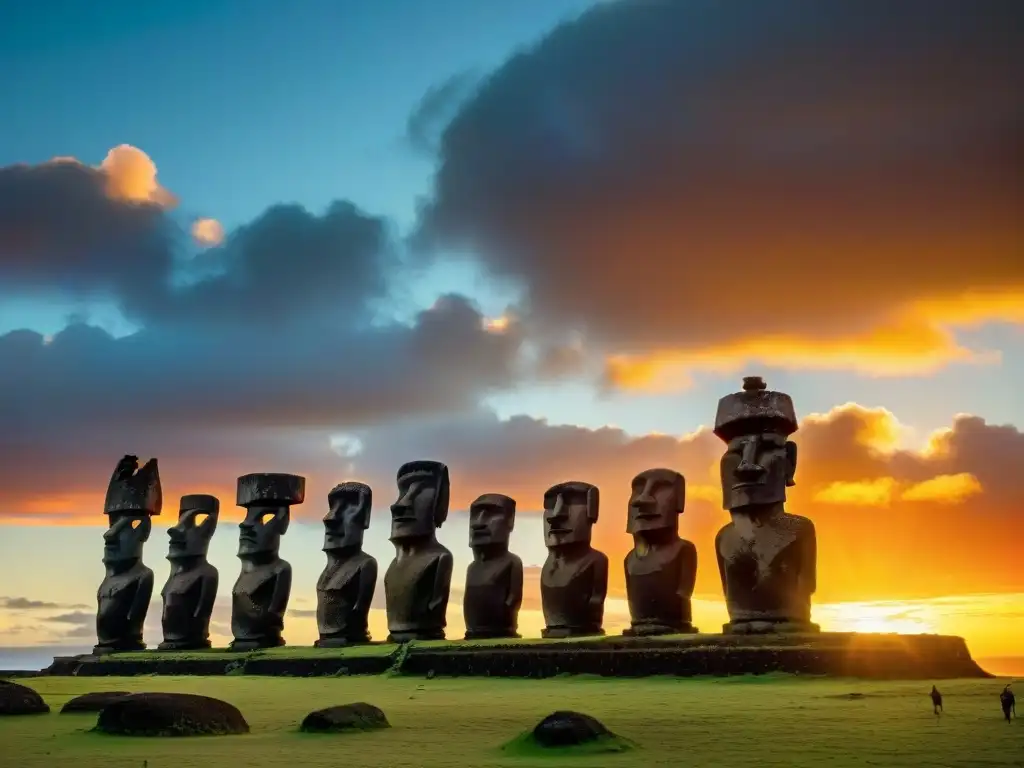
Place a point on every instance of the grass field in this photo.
(762, 721)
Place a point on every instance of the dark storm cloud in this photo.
(274, 330)
(61, 231)
(852, 157)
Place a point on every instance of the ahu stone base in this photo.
(870, 656)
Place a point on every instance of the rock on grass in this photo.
(18, 699)
(170, 714)
(567, 732)
(359, 716)
(92, 702)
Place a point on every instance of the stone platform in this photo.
(872, 656)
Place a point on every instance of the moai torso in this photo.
(418, 581)
(259, 598)
(767, 558)
(345, 589)
(191, 588)
(661, 569)
(494, 579)
(134, 496)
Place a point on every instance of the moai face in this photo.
(422, 504)
(348, 516)
(491, 520)
(262, 529)
(756, 470)
(197, 522)
(570, 511)
(657, 501)
(124, 538)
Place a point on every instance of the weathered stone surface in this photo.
(566, 728)
(18, 699)
(417, 583)
(191, 588)
(93, 702)
(494, 580)
(358, 716)
(259, 598)
(767, 557)
(124, 594)
(574, 578)
(345, 588)
(661, 569)
(170, 714)
(272, 489)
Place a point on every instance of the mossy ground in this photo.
(767, 720)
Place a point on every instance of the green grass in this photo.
(765, 721)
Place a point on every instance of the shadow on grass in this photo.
(525, 745)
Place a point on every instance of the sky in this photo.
(537, 241)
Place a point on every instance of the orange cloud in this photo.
(869, 493)
(207, 232)
(944, 489)
(131, 176)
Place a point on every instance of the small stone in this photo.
(170, 714)
(17, 699)
(93, 702)
(566, 728)
(358, 716)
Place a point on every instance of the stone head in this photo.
(570, 511)
(267, 498)
(491, 520)
(657, 500)
(348, 515)
(197, 521)
(422, 505)
(133, 491)
(125, 536)
(760, 461)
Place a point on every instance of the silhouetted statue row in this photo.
(766, 556)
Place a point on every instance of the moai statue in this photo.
(767, 558)
(259, 598)
(574, 579)
(345, 588)
(494, 580)
(133, 497)
(191, 587)
(661, 569)
(418, 581)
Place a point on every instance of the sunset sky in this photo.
(536, 241)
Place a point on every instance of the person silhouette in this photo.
(936, 700)
(1006, 698)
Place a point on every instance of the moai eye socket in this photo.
(136, 524)
(199, 519)
(266, 517)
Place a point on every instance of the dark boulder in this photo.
(92, 702)
(567, 729)
(359, 716)
(18, 699)
(170, 714)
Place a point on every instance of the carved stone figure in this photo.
(345, 588)
(767, 558)
(191, 587)
(133, 496)
(574, 579)
(418, 581)
(661, 569)
(494, 580)
(259, 598)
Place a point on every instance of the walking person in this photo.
(1009, 703)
